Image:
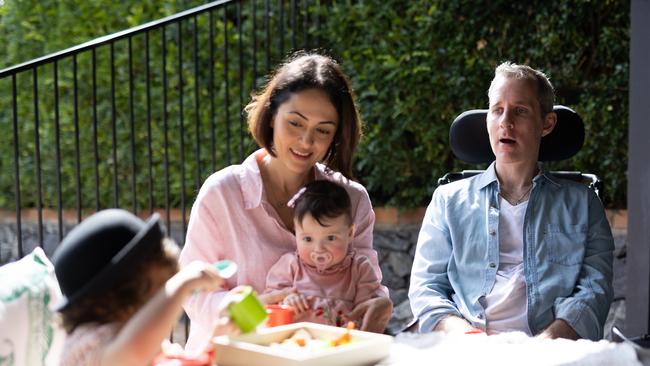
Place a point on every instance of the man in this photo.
(513, 248)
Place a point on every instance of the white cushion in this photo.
(30, 335)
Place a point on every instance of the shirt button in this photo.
(492, 265)
(492, 232)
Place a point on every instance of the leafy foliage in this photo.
(198, 86)
(415, 65)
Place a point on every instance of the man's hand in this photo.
(373, 313)
(454, 324)
(559, 329)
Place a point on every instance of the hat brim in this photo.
(147, 238)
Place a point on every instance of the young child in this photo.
(122, 293)
(328, 278)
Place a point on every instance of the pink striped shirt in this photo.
(232, 219)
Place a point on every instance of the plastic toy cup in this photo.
(247, 311)
(279, 315)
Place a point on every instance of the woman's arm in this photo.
(372, 308)
(203, 243)
(364, 222)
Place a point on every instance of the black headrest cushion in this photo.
(470, 142)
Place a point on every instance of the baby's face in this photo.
(323, 246)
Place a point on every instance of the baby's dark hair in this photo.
(322, 199)
(128, 294)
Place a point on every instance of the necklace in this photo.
(518, 201)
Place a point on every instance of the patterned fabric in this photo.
(85, 344)
(29, 334)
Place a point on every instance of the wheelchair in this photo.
(470, 143)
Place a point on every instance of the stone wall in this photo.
(395, 237)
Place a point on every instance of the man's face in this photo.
(514, 120)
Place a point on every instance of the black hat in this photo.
(100, 250)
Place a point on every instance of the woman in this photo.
(308, 127)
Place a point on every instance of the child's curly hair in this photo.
(125, 297)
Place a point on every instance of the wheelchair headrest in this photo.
(470, 142)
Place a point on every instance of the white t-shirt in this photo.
(506, 305)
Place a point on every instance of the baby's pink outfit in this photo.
(335, 291)
(84, 346)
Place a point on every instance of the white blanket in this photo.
(504, 349)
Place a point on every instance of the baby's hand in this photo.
(197, 276)
(299, 302)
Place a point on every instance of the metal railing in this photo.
(139, 118)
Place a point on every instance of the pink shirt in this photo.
(334, 292)
(232, 219)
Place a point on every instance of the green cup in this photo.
(247, 310)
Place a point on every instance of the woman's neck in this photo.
(280, 183)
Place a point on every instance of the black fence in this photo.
(138, 119)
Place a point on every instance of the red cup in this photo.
(279, 315)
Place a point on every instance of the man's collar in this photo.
(490, 175)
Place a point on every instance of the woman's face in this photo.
(303, 129)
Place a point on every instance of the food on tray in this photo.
(302, 340)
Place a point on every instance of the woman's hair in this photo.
(304, 71)
(322, 199)
(129, 294)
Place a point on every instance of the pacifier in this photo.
(321, 260)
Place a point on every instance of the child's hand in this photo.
(197, 276)
(223, 325)
(299, 302)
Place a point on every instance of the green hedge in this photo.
(415, 65)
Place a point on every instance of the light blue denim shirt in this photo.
(568, 254)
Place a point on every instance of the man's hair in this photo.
(128, 295)
(545, 90)
(322, 199)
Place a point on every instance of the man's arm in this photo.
(586, 309)
(430, 288)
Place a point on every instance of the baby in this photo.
(122, 292)
(327, 277)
